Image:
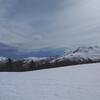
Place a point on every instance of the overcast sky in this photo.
(33, 24)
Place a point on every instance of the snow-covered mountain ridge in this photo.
(3, 59)
(81, 55)
(85, 52)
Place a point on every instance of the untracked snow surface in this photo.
(81, 82)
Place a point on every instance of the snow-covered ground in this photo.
(81, 82)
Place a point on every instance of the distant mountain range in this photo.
(81, 55)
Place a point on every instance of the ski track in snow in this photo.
(81, 82)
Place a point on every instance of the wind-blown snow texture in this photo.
(80, 82)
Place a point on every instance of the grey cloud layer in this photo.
(49, 23)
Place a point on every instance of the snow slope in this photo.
(81, 82)
(3, 59)
(90, 52)
(34, 59)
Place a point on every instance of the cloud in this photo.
(33, 24)
(78, 24)
(37, 37)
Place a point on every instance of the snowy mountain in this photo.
(81, 82)
(81, 55)
(35, 59)
(92, 52)
(3, 59)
